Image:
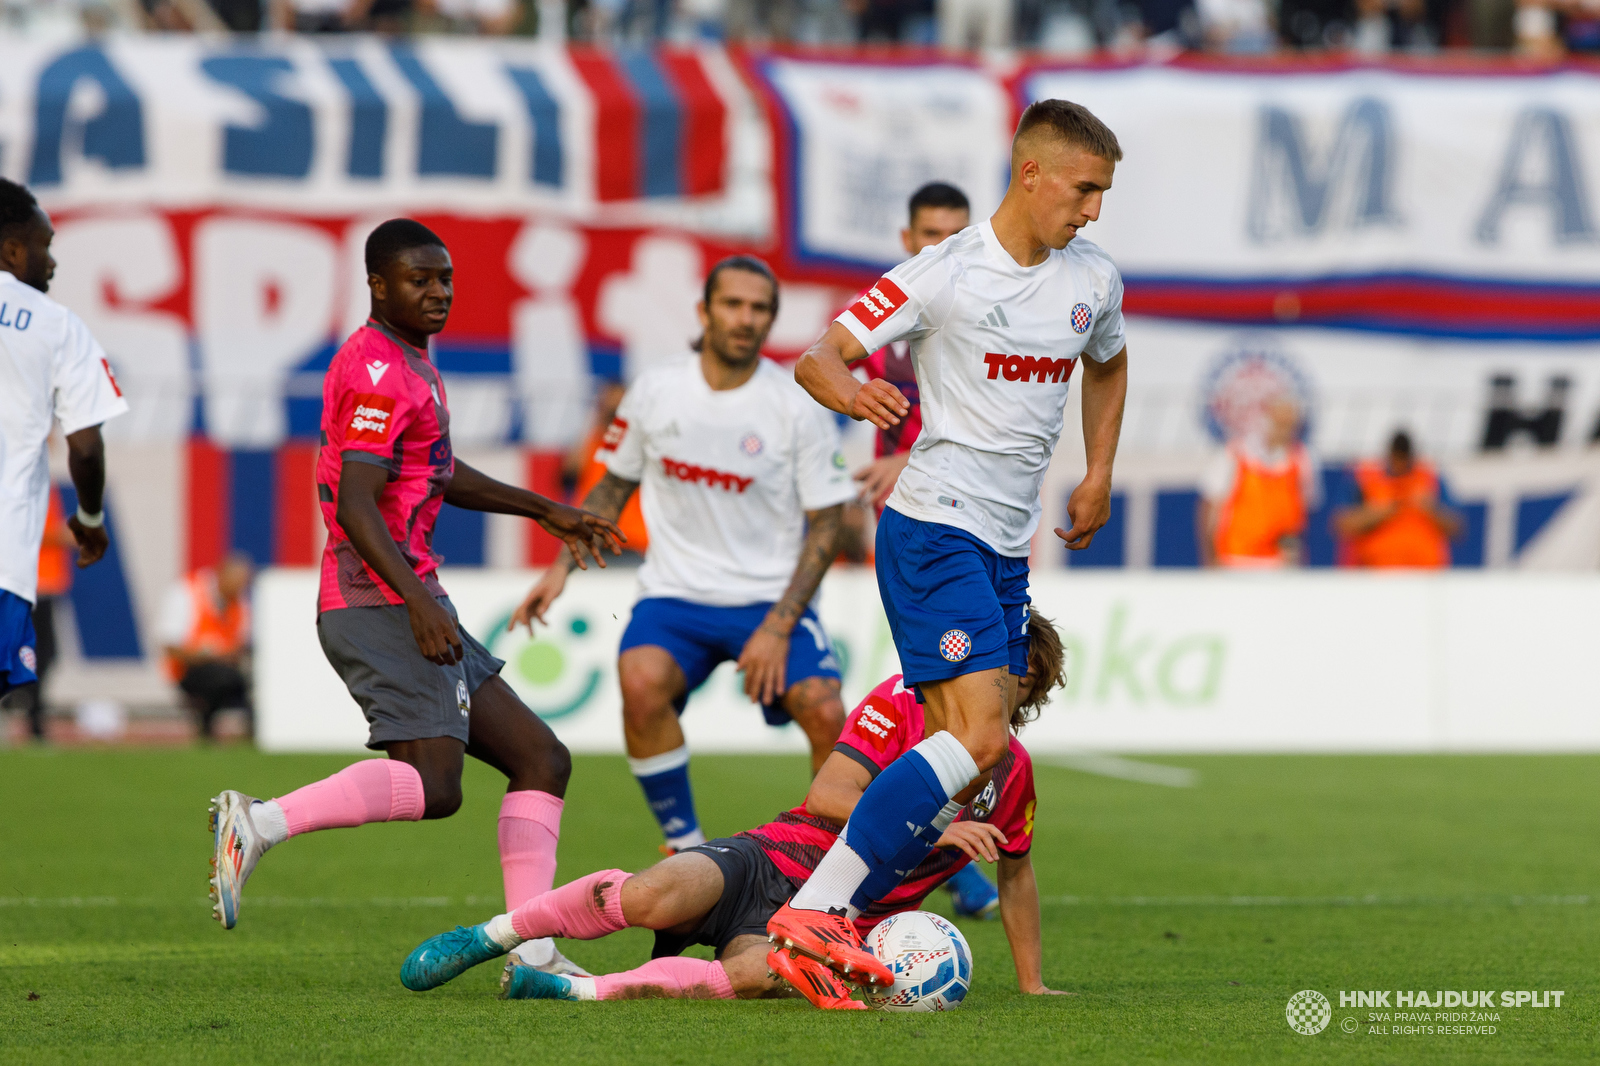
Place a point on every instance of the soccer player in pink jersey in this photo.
(430, 692)
(722, 893)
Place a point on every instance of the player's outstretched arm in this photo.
(585, 534)
(1019, 913)
(766, 654)
(824, 372)
(86, 462)
(605, 500)
(360, 486)
(1105, 393)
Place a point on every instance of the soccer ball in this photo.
(929, 958)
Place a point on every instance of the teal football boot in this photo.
(527, 982)
(447, 956)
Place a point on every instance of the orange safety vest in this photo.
(1409, 537)
(631, 520)
(55, 562)
(1266, 506)
(213, 629)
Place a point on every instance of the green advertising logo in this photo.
(544, 669)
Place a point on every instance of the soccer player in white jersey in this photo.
(51, 370)
(744, 489)
(998, 316)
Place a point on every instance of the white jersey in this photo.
(726, 478)
(994, 345)
(51, 370)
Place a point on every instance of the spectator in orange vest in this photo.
(57, 552)
(206, 629)
(1400, 517)
(1255, 498)
(581, 467)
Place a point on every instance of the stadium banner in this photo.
(363, 123)
(1155, 662)
(1439, 203)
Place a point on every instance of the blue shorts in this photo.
(19, 656)
(700, 638)
(955, 605)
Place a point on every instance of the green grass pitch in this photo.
(1424, 873)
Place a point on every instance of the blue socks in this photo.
(894, 826)
(665, 780)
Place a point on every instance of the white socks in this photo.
(270, 821)
(836, 877)
(501, 932)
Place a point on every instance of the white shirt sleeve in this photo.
(84, 392)
(177, 616)
(622, 449)
(901, 304)
(1107, 337)
(821, 474)
(1216, 484)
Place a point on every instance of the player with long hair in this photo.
(722, 893)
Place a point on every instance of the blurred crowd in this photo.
(1061, 27)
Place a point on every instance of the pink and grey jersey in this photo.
(383, 403)
(887, 724)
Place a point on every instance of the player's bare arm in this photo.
(585, 534)
(877, 478)
(1019, 913)
(1105, 392)
(86, 461)
(824, 372)
(766, 653)
(606, 501)
(360, 486)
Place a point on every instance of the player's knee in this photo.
(440, 799)
(558, 765)
(987, 748)
(646, 696)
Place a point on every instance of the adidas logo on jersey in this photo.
(1027, 367)
(996, 318)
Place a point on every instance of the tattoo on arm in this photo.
(606, 499)
(816, 555)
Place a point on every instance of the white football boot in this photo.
(239, 846)
(542, 954)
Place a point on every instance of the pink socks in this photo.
(372, 790)
(673, 978)
(586, 909)
(530, 825)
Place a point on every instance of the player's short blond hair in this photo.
(1047, 660)
(1072, 123)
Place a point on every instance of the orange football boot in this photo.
(830, 939)
(812, 980)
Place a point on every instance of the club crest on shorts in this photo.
(955, 645)
(30, 661)
(463, 701)
(1081, 316)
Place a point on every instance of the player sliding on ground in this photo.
(430, 692)
(721, 893)
(998, 318)
(743, 486)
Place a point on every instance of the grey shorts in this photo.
(403, 695)
(752, 891)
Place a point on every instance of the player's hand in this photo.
(539, 598)
(879, 403)
(877, 478)
(584, 532)
(764, 660)
(435, 631)
(1089, 508)
(977, 840)
(92, 542)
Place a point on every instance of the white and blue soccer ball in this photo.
(930, 960)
